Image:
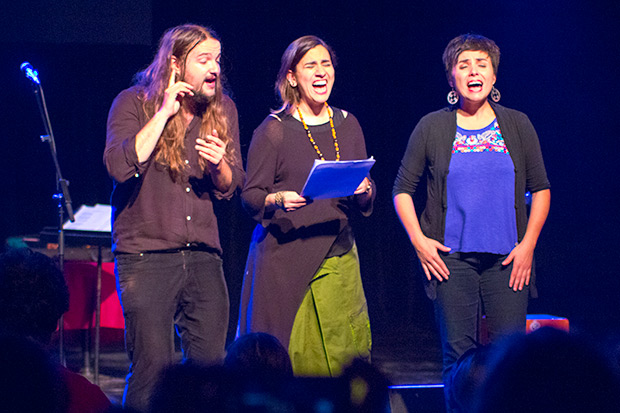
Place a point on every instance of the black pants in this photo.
(158, 290)
(478, 281)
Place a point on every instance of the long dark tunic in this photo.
(288, 247)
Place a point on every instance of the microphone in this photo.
(30, 72)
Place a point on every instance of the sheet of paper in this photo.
(91, 218)
(332, 179)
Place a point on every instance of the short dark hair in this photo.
(466, 42)
(292, 55)
(33, 294)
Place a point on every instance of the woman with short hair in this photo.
(474, 240)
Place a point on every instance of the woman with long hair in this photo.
(302, 281)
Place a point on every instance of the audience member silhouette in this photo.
(29, 381)
(367, 388)
(258, 354)
(257, 377)
(191, 388)
(465, 379)
(33, 296)
(256, 370)
(549, 371)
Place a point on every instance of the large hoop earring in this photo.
(453, 97)
(495, 95)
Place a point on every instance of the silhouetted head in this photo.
(367, 387)
(466, 378)
(549, 371)
(192, 388)
(258, 354)
(33, 294)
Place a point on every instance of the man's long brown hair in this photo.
(153, 81)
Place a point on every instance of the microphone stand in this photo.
(62, 187)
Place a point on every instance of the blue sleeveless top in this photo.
(481, 193)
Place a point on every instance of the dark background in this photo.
(559, 65)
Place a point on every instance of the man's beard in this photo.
(198, 103)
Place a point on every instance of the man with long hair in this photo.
(172, 148)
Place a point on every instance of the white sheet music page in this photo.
(95, 218)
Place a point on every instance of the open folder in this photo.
(333, 179)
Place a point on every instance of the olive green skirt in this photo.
(331, 327)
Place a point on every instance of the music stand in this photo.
(100, 240)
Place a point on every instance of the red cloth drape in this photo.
(81, 278)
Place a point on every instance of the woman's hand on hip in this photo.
(431, 261)
(521, 257)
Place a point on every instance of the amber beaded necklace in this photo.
(314, 145)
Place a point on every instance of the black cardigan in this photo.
(430, 150)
